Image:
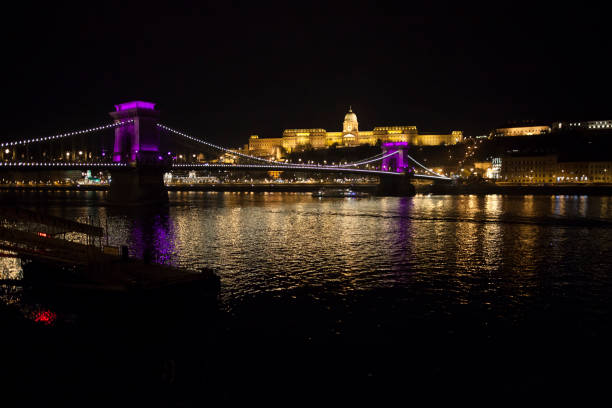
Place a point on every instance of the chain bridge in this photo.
(136, 158)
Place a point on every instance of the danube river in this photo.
(504, 293)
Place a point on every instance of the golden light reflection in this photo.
(493, 205)
(558, 205)
(528, 206)
(605, 206)
(464, 248)
(10, 268)
(583, 205)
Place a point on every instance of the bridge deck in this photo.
(40, 166)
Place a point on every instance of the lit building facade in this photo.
(547, 169)
(592, 125)
(521, 131)
(319, 138)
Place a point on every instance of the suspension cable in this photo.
(427, 169)
(67, 134)
(371, 159)
(226, 150)
(246, 156)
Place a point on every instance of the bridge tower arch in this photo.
(139, 138)
(137, 143)
(399, 162)
(396, 163)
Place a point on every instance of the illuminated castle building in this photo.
(350, 135)
(521, 131)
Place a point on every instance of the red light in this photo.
(46, 317)
(42, 234)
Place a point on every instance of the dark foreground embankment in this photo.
(281, 353)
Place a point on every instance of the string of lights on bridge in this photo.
(203, 165)
(372, 159)
(60, 164)
(199, 165)
(429, 170)
(68, 134)
(226, 150)
(281, 167)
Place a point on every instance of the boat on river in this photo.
(339, 192)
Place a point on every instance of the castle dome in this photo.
(350, 116)
(350, 123)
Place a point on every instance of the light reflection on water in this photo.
(498, 251)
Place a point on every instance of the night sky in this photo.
(225, 71)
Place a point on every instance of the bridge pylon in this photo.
(137, 143)
(392, 185)
(139, 135)
(398, 163)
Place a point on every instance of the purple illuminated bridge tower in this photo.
(396, 163)
(137, 143)
(141, 136)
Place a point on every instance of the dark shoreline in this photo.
(436, 189)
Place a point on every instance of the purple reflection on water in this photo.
(154, 238)
(402, 240)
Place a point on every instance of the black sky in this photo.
(224, 71)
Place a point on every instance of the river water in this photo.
(447, 284)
